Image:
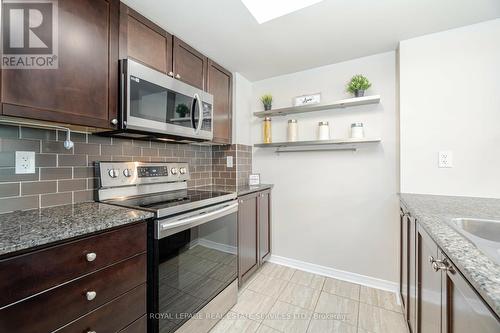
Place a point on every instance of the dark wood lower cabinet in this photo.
(248, 256)
(254, 232)
(443, 300)
(61, 288)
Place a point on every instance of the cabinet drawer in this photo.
(138, 326)
(113, 316)
(43, 269)
(70, 301)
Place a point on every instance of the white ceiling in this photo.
(325, 33)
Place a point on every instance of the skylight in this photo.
(266, 10)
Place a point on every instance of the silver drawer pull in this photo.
(91, 332)
(91, 295)
(90, 256)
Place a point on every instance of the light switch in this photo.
(229, 163)
(445, 159)
(25, 162)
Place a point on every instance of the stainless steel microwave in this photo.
(155, 105)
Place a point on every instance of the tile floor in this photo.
(281, 299)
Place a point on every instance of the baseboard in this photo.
(337, 274)
(218, 246)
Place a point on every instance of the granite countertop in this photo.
(240, 190)
(22, 230)
(434, 211)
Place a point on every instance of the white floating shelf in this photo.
(344, 103)
(338, 144)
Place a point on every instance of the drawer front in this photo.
(43, 269)
(113, 316)
(138, 326)
(70, 301)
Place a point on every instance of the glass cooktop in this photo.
(172, 202)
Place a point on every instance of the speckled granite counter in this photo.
(433, 212)
(26, 229)
(240, 190)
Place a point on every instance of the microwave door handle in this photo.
(192, 221)
(200, 107)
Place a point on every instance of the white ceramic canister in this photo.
(292, 130)
(357, 131)
(323, 130)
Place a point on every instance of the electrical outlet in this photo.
(229, 162)
(445, 159)
(25, 162)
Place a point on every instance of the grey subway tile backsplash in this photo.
(68, 176)
(56, 173)
(39, 187)
(56, 199)
(9, 190)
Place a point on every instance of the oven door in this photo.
(157, 103)
(193, 258)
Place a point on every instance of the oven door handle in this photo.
(174, 225)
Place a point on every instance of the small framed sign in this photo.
(254, 179)
(307, 99)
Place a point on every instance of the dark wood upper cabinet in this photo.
(83, 90)
(144, 41)
(189, 65)
(220, 85)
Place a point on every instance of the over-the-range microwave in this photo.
(155, 105)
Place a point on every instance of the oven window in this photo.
(194, 266)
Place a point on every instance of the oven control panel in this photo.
(136, 173)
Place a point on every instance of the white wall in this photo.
(336, 209)
(242, 104)
(450, 100)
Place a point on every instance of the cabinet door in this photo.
(465, 311)
(144, 41)
(403, 262)
(248, 257)
(219, 84)
(190, 66)
(84, 89)
(429, 285)
(264, 225)
(412, 274)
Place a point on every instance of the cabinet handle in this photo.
(114, 121)
(177, 76)
(91, 332)
(170, 74)
(441, 265)
(90, 295)
(90, 256)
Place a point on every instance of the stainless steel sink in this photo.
(485, 234)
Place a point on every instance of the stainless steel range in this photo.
(192, 250)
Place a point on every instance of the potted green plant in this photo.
(182, 110)
(358, 85)
(267, 100)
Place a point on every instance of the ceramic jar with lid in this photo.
(292, 130)
(357, 131)
(323, 130)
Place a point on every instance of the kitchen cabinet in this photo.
(96, 283)
(429, 285)
(464, 311)
(144, 41)
(436, 297)
(189, 65)
(254, 232)
(248, 256)
(83, 90)
(264, 222)
(220, 85)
